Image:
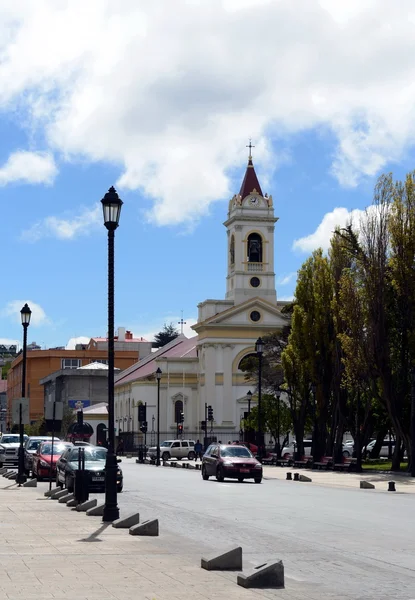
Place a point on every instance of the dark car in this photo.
(230, 461)
(95, 457)
(44, 462)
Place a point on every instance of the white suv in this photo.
(174, 449)
(9, 448)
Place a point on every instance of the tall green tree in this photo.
(166, 335)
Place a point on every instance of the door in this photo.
(185, 449)
(211, 460)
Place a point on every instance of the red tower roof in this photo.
(250, 182)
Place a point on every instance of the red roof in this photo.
(250, 182)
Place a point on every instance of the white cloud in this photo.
(38, 318)
(171, 93)
(148, 333)
(77, 340)
(28, 167)
(286, 279)
(65, 229)
(339, 217)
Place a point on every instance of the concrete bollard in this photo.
(96, 511)
(304, 478)
(365, 485)
(289, 476)
(86, 505)
(391, 486)
(229, 560)
(66, 499)
(296, 477)
(127, 522)
(148, 528)
(30, 483)
(267, 575)
(58, 493)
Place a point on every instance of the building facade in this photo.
(205, 370)
(42, 363)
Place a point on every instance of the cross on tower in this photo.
(181, 323)
(250, 146)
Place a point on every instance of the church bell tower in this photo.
(250, 228)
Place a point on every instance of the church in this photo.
(204, 370)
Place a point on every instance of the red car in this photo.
(42, 458)
(232, 462)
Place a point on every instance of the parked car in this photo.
(30, 448)
(232, 462)
(384, 451)
(288, 451)
(174, 449)
(9, 448)
(95, 457)
(43, 459)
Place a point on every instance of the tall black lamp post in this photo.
(111, 204)
(259, 349)
(25, 314)
(278, 395)
(158, 377)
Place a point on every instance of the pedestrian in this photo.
(198, 450)
(219, 442)
(120, 447)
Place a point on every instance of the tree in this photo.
(274, 423)
(166, 335)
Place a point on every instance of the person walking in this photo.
(120, 447)
(198, 450)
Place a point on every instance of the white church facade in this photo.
(204, 370)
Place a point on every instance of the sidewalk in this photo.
(49, 551)
(404, 484)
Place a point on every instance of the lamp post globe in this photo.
(25, 315)
(259, 349)
(158, 377)
(111, 206)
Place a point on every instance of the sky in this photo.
(160, 100)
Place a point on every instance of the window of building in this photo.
(71, 363)
(255, 248)
(103, 361)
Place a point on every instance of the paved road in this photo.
(349, 543)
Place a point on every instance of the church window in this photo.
(255, 282)
(232, 250)
(178, 409)
(255, 248)
(247, 362)
(255, 316)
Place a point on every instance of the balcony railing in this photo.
(253, 267)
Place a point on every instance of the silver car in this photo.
(9, 448)
(174, 449)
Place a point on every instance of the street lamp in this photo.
(158, 377)
(25, 314)
(111, 205)
(259, 349)
(249, 396)
(278, 395)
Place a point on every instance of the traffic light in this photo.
(142, 413)
(180, 429)
(143, 427)
(210, 413)
(203, 426)
(182, 417)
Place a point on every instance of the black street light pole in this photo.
(111, 204)
(278, 394)
(249, 396)
(413, 423)
(158, 377)
(259, 349)
(314, 442)
(25, 314)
